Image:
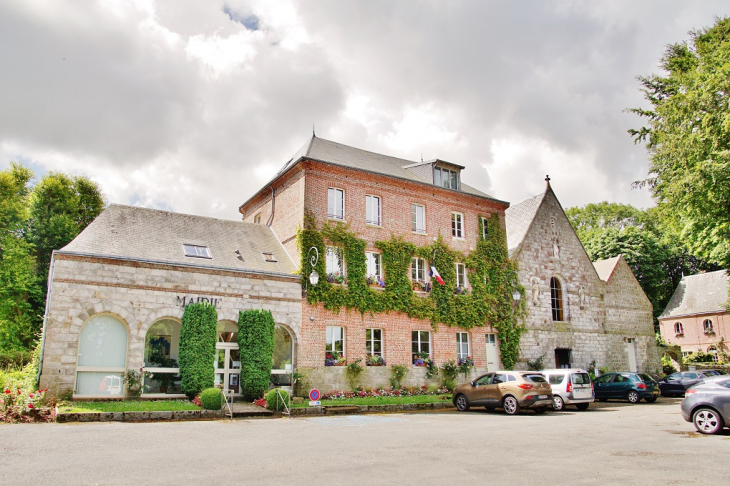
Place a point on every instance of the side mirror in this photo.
(472, 383)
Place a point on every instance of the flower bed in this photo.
(20, 405)
(383, 392)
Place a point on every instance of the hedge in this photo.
(256, 343)
(277, 401)
(197, 348)
(211, 399)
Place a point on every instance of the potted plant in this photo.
(336, 277)
(334, 359)
(421, 359)
(375, 281)
(421, 286)
(374, 360)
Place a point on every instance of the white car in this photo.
(571, 386)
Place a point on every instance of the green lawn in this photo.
(381, 400)
(128, 406)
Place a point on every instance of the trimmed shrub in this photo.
(276, 402)
(211, 398)
(197, 348)
(256, 343)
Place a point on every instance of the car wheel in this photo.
(558, 403)
(707, 421)
(650, 399)
(633, 396)
(582, 406)
(462, 404)
(511, 406)
(540, 410)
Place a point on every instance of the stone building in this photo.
(696, 317)
(118, 292)
(580, 313)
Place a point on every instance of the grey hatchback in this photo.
(707, 405)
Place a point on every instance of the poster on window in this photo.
(233, 380)
(160, 349)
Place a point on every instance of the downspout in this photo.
(273, 207)
(45, 319)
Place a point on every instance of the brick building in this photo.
(696, 317)
(580, 313)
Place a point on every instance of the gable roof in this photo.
(699, 294)
(605, 268)
(151, 235)
(334, 153)
(518, 219)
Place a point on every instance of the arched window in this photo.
(102, 359)
(707, 325)
(227, 332)
(678, 329)
(556, 299)
(160, 357)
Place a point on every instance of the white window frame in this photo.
(713, 351)
(708, 327)
(462, 342)
(196, 251)
(334, 334)
(374, 264)
(418, 266)
(332, 206)
(415, 218)
(457, 225)
(96, 368)
(452, 178)
(373, 210)
(420, 342)
(678, 329)
(370, 343)
(460, 275)
(485, 223)
(333, 262)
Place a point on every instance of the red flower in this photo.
(18, 392)
(31, 395)
(30, 405)
(7, 391)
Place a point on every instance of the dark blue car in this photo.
(626, 386)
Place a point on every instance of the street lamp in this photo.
(516, 295)
(313, 276)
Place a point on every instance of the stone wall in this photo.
(139, 295)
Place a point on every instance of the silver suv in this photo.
(571, 386)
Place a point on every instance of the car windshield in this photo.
(646, 378)
(580, 379)
(535, 378)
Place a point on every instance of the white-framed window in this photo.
(445, 178)
(102, 357)
(257, 219)
(418, 269)
(162, 343)
(418, 218)
(460, 275)
(335, 340)
(420, 342)
(556, 299)
(713, 351)
(457, 225)
(462, 345)
(333, 261)
(372, 210)
(485, 227)
(196, 251)
(374, 342)
(374, 264)
(335, 203)
(686, 353)
(707, 326)
(678, 328)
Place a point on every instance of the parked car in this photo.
(713, 372)
(677, 383)
(511, 390)
(707, 405)
(570, 387)
(630, 386)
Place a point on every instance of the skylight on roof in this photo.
(196, 251)
(269, 257)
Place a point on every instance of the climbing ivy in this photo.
(491, 273)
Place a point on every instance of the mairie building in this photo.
(117, 293)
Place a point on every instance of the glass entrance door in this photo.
(228, 367)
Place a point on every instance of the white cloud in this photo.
(223, 54)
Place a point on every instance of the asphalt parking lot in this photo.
(613, 443)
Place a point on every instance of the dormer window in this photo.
(446, 178)
(196, 251)
(269, 257)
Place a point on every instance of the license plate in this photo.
(542, 396)
(656, 392)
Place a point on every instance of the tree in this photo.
(19, 323)
(256, 342)
(14, 191)
(196, 355)
(688, 140)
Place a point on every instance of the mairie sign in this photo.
(186, 300)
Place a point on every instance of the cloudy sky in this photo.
(192, 106)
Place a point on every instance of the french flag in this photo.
(435, 274)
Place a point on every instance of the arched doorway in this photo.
(161, 347)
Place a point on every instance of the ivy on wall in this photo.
(492, 275)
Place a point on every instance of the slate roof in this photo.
(343, 155)
(142, 234)
(699, 294)
(518, 219)
(604, 268)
